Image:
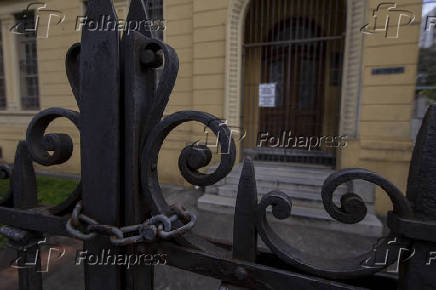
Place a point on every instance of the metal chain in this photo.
(83, 227)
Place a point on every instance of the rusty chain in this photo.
(83, 227)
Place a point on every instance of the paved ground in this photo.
(64, 274)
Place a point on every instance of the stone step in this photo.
(231, 190)
(308, 216)
(269, 185)
(305, 200)
(278, 181)
(305, 185)
(286, 170)
(299, 196)
(288, 164)
(311, 182)
(271, 177)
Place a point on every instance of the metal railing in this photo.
(118, 204)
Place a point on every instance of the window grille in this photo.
(28, 61)
(2, 76)
(155, 14)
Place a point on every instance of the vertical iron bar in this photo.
(261, 57)
(258, 63)
(290, 93)
(29, 277)
(294, 100)
(333, 53)
(418, 271)
(23, 180)
(135, 110)
(302, 58)
(100, 138)
(341, 60)
(264, 66)
(278, 25)
(271, 61)
(138, 93)
(284, 59)
(328, 49)
(245, 219)
(244, 226)
(335, 50)
(260, 52)
(246, 75)
(24, 193)
(316, 100)
(322, 51)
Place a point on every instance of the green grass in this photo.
(51, 191)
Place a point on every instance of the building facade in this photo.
(339, 73)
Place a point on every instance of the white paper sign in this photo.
(267, 95)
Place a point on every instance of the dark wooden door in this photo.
(299, 94)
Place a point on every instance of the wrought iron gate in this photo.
(119, 206)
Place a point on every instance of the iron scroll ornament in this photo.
(194, 157)
(352, 210)
(52, 149)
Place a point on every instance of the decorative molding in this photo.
(351, 80)
(11, 67)
(235, 29)
(352, 70)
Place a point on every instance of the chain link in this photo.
(85, 228)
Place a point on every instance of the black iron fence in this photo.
(119, 206)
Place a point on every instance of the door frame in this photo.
(350, 96)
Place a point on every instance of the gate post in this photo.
(100, 138)
(138, 93)
(418, 269)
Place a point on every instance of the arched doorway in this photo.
(292, 70)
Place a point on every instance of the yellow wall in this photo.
(387, 101)
(197, 30)
(178, 15)
(53, 84)
(54, 88)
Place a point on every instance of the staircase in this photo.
(303, 185)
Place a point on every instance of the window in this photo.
(2, 76)
(28, 61)
(155, 14)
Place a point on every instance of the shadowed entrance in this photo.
(293, 54)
